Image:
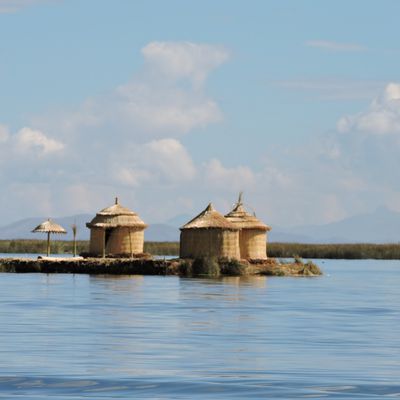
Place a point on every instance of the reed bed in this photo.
(39, 246)
(353, 251)
(276, 250)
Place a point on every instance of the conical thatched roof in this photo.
(116, 216)
(209, 218)
(243, 220)
(49, 227)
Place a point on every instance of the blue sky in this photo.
(173, 104)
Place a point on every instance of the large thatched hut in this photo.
(209, 235)
(116, 231)
(252, 234)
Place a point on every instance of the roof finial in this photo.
(240, 202)
(116, 200)
(209, 207)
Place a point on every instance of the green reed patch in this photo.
(275, 250)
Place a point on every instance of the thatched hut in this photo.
(116, 231)
(252, 234)
(209, 235)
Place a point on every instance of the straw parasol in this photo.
(49, 227)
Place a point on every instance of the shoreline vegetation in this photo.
(275, 250)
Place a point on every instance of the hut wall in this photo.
(121, 242)
(253, 244)
(96, 241)
(210, 242)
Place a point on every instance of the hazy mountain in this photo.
(278, 234)
(22, 228)
(380, 226)
(161, 233)
(179, 220)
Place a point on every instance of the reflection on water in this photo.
(69, 337)
(259, 281)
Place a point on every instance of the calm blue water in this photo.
(32, 255)
(97, 337)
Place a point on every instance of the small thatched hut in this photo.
(252, 234)
(209, 235)
(117, 231)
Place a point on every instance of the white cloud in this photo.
(4, 134)
(170, 158)
(127, 143)
(164, 161)
(382, 117)
(335, 46)
(166, 98)
(164, 109)
(156, 101)
(234, 179)
(275, 177)
(30, 140)
(124, 142)
(129, 176)
(184, 59)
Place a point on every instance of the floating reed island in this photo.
(201, 267)
(211, 244)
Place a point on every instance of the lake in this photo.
(107, 337)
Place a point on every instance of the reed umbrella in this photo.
(49, 227)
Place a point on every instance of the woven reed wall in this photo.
(119, 241)
(196, 243)
(253, 244)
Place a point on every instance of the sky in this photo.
(172, 104)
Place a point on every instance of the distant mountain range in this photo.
(167, 232)
(22, 229)
(380, 226)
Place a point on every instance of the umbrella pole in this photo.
(104, 243)
(74, 233)
(48, 244)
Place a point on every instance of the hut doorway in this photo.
(107, 235)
